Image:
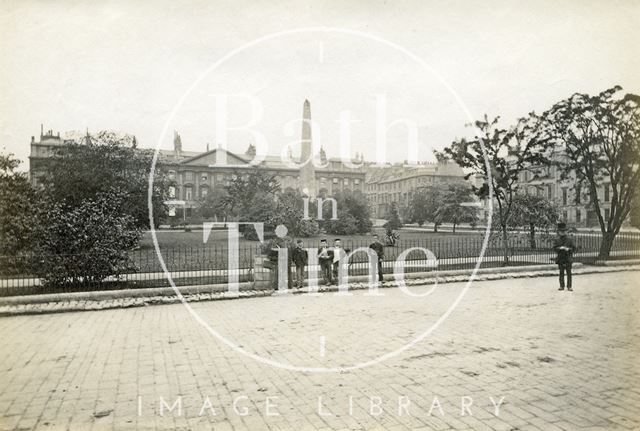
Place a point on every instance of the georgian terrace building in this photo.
(397, 183)
(195, 174)
(573, 201)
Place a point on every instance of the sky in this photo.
(151, 67)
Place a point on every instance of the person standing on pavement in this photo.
(564, 248)
(325, 256)
(378, 248)
(300, 257)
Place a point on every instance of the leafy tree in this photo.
(80, 171)
(85, 243)
(262, 208)
(531, 212)
(354, 215)
(451, 209)
(600, 137)
(394, 221)
(419, 207)
(497, 155)
(18, 209)
(424, 205)
(244, 187)
(215, 204)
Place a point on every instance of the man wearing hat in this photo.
(564, 247)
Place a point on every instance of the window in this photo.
(357, 181)
(564, 196)
(607, 212)
(564, 215)
(172, 211)
(188, 176)
(188, 193)
(345, 181)
(578, 216)
(172, 175)
(606, 192)
(578, 195)
(172, 192)
(335, 181)
(204, 191)
(549, 191)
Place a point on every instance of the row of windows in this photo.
(578, 196)
(401, 185)
(578, 215)
(188, 192)
(189, 176)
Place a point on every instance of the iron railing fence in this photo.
(207, 265)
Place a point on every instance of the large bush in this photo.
(18, 210)
(87, 242)
(78, 172)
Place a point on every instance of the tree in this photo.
(497, 155)
(290, 213)
(215, 204)
(354, 215)
(533, 212)
(244, 187)
(451, 208)
(85, 243)
(419, 207)
(18, 209)
(424, 205)
(249, 197)
(600, 138)
(80, 171)
(394, 221)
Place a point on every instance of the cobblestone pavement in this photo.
(514, 354)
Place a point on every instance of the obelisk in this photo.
(307, 169)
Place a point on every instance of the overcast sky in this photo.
(125, 65)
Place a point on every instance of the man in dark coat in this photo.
(325, 256)
(300, 257)
(378, 248)
(564, 248)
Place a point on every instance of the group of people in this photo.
(329, 258)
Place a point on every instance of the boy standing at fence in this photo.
(325, 256)
(300, 258)
(338, 253)
(564, 248)
(378, 248)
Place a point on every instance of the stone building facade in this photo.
(572, 200)
(397, 183)
(195, 174)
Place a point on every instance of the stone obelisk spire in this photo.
(307, 169)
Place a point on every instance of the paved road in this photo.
(550, 360)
